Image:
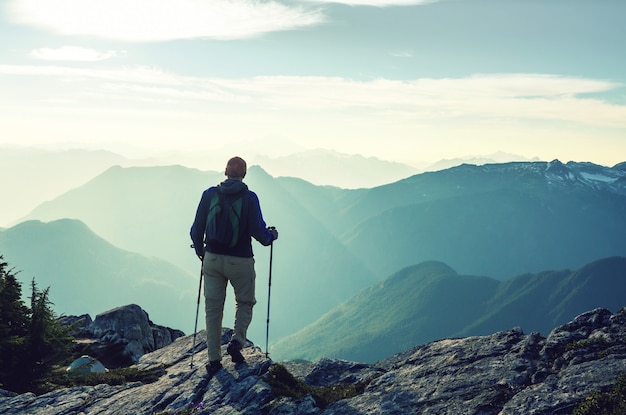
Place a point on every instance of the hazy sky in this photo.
(397, 79)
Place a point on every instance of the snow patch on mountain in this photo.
(598, 177)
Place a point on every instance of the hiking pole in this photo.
(195, 328)
(269, 293)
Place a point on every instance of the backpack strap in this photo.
(214, 206)
(234, 215)
(238, 210)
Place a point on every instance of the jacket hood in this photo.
(231, 187)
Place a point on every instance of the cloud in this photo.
(378, 3)
(490, 96)
(163, 20)
(402, 53)
(561, 116)
(72, 53)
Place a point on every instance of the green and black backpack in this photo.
(224, 219)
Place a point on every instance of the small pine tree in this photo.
(48, 342)
(32, 340)
(14, 324)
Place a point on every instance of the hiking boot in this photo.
(213, 367)
(233, 350)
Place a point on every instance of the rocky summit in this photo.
(507, 372)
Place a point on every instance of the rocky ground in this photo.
(504, 373)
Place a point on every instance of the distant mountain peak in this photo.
(499, 157)
(423, 269)
(430, 301)
(587, 174)
(557, 173)
(620, 166)
(329, 167)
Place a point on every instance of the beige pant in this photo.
(218, 270)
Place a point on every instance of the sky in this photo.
(403, 80)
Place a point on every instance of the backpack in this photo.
(223, 219)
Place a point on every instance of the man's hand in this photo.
(192, 246)
(273, 231)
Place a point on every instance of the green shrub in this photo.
(580, 344)
(612, 402)
(59, 379)
(285, 384)
(190, 410)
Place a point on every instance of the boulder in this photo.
(129, 325)
(79, 325)
(86, 364)
(120, 336)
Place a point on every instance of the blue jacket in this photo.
(251, 225)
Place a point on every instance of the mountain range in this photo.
(430, 301)
(30, 176)
(149, 211)
(88, 275)
(497, 221)
(499, 157)
(48, 173)
(325, 167)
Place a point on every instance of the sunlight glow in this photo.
(390, 119)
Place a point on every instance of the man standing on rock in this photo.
(228, 217)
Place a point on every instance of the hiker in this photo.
(224, 245)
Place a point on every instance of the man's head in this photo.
(236, 168)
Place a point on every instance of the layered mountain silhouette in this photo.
(498, 157)
(87, 275)
(52, 173)
(430, 301)
(495, 220)
(328, 167)
(498, 221)
(150, 211)
(45, 175)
